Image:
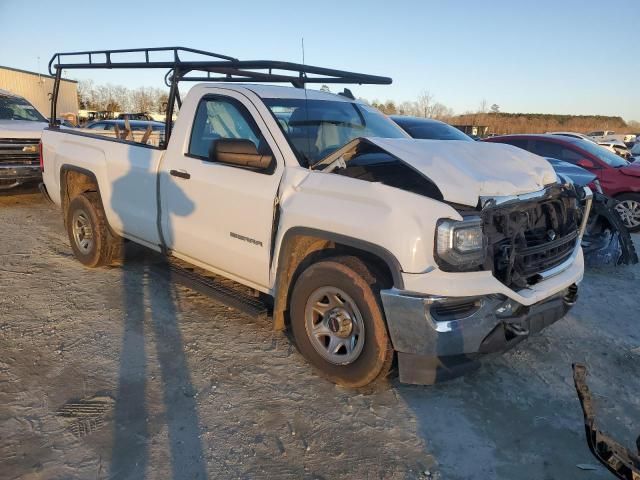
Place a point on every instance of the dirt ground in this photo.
(117, 373)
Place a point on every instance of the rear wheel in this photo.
(91, 241)
(629, 209)
(338, 323)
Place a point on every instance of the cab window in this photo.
(221, 118)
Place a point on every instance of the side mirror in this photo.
(240, 152)
(586, 163)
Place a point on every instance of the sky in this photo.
(536, 56)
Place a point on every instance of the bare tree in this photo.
(408, 108)
(440, 111)
(424, 103)
(483, 106)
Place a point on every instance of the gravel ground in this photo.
(117, 373)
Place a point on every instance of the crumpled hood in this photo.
(466, 171)
(21, 129)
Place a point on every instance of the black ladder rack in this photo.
(225, 69)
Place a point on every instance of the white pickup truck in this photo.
(21, 126)
(370, 244)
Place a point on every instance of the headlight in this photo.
(460, 244)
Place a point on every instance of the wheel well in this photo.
(298, 251)
(624, 194)
(74, 183)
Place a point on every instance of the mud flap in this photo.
(618, 459)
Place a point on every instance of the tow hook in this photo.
(571, 296)
(516, 329)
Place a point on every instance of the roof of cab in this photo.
(277, 91)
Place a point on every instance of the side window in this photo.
(221, 118)
(570, 156)
(547, 149)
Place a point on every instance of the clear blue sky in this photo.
(561, 56)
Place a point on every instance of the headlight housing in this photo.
(460, 245)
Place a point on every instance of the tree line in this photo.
(116, 98)
(504, 123)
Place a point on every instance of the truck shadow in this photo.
(151, 319)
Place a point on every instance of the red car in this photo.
(618, 178)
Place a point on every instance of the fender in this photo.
(64, 168)
(284, 272)
(64, 198)
(378, 251)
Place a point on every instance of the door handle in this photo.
(180, 173)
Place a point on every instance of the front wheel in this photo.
(338, 324)
(629, 209)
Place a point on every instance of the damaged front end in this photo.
(618, 459)
(511, 227)
(533, 237)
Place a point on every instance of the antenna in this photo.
(306, 105)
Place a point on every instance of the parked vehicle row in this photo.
(21, 126)
(618, 178)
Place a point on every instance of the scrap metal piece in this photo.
(606, 240)
(618, 459)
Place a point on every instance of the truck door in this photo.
(220, 216)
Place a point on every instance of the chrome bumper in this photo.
(433, 347)
(13, 175)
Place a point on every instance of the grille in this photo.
(533, 260)
(529, 238)
(12, 151)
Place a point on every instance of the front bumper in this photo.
(14, 175)
(438, 338)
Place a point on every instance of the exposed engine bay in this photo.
(368, 162)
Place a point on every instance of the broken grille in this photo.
(529, 238)
(537, 259)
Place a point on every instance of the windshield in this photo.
(16, 108)
(316, 128)
(436, 131)
(603, 154)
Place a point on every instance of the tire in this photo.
(605, 215)
(91, 241)
(629, 209)
(366, 355)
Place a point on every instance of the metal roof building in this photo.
(36, 88)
